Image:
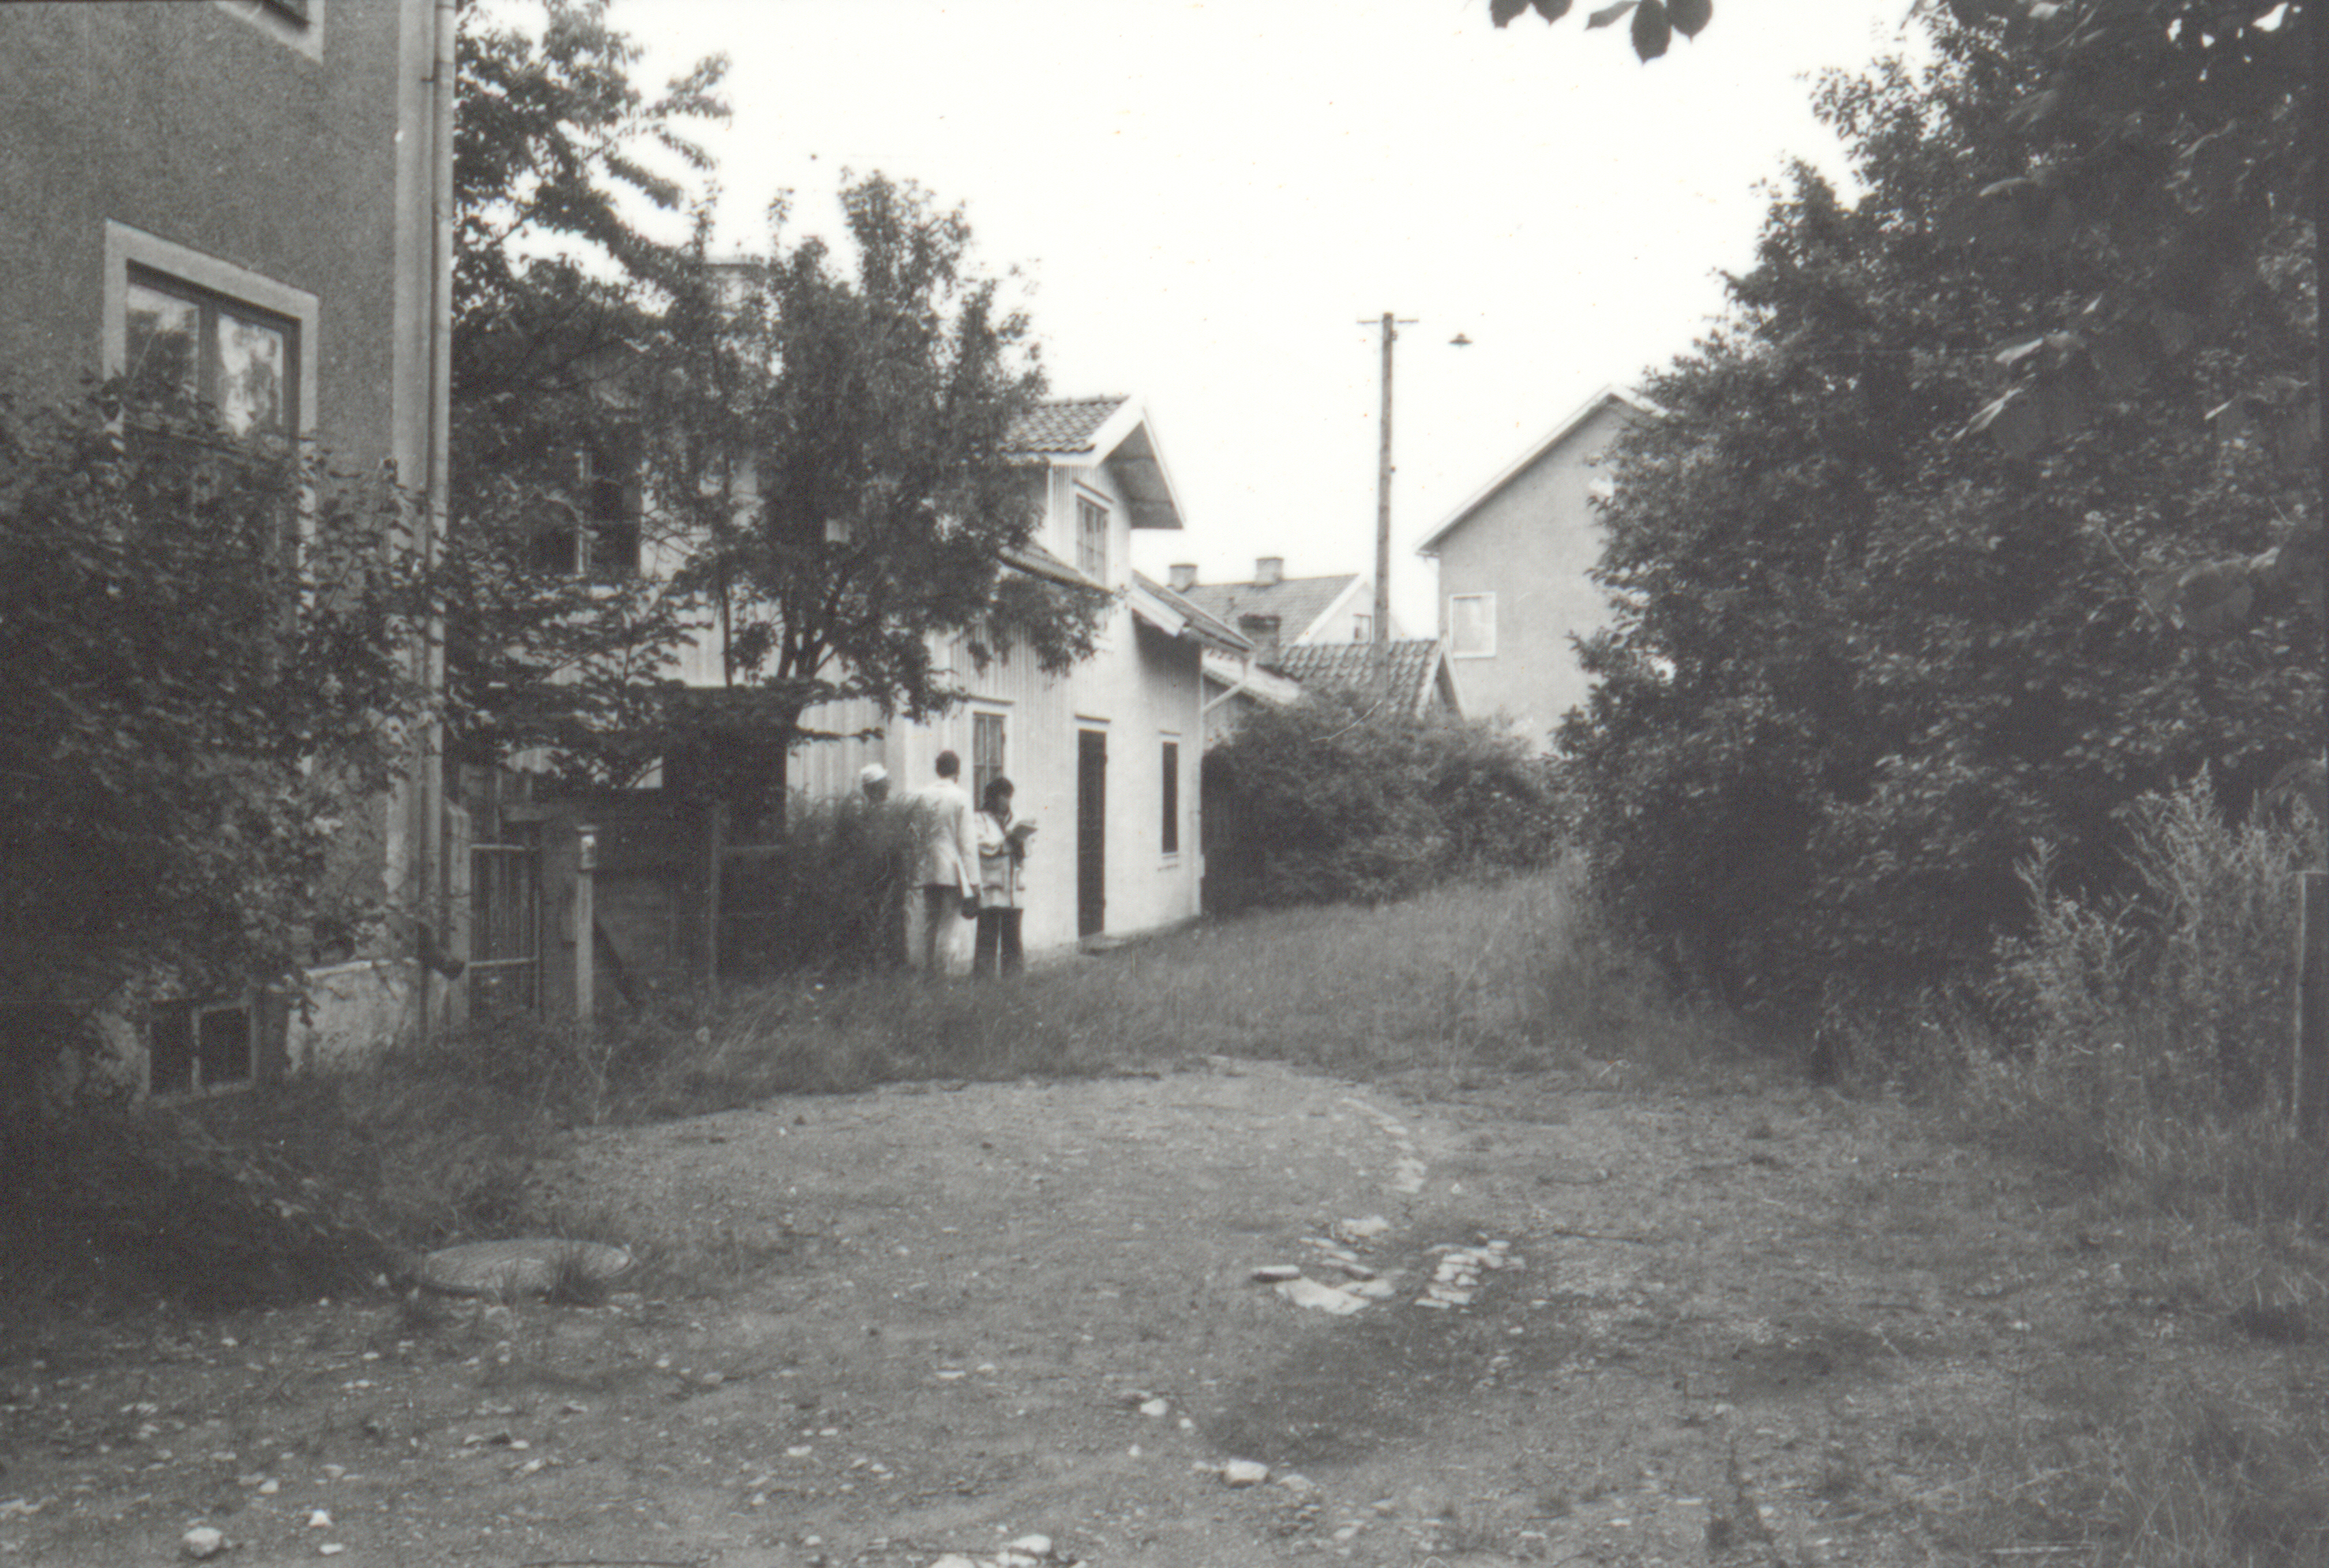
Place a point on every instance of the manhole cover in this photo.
(522, 1267)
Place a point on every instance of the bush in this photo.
(2147, 1039)
(201, 687)
(1335, 803)
(827, 896)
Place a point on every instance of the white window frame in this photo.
(1087, 505)
(197, 1085)
(1456, 650)
(1002, 717)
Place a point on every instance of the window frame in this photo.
(210, 307)
(127, 249)
(1095, 519)
(1169, 841)
(1455, 650)
(983, 720)
(196, 1082)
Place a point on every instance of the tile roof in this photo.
(1413, 662)
(1063, 425)
(1297, 602)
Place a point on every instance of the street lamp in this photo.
(1389, 325)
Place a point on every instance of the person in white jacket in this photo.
(948, 830)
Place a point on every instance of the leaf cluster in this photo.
(209, 677)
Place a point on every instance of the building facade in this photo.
(1514, 573)
(253, 185)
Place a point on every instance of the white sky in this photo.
(1211, 197)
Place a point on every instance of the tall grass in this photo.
(1510, 975)
(2148, 1042)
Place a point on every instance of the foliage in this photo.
(206, 678)
(555, 643)
(1858, 665)
(2167, 135)
(830, 898)
(2173, 1001)
(844, 442)
(1340, 803)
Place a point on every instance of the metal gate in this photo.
(504, 928)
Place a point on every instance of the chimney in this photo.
(1268, 569)
(1182, 576)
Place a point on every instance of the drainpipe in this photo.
(432, 878)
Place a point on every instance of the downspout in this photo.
(433, 879)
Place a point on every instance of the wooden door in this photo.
(1091, 831)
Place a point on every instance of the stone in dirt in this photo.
(202, 1541)
(1272, 1273)
(1245, 1472)
(1032, 1545)
(1364, 1229)
(1321, 1297)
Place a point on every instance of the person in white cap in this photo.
(884, 907)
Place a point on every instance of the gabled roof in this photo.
(1174, 616)
(1418, 664)
(1299, 604)
(1529, 458)
(1087, 432)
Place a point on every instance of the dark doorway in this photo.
(1091, 831)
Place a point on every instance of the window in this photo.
(1362, 628)
(1471, 625)
(189, 349)
(183, 329)
(296, 23)
(1091, 538)
(196, 1046)
(986, 753)
(1172, 841)
(596, 532)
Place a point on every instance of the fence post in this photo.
(2311, 1056)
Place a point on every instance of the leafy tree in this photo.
(2178, 137)
(842, 442)
(555, 642)
(1859, 664)
(1337, 802)
(205, 691)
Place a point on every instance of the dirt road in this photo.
(1554, 1322)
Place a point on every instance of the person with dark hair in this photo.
(1002, 851)
(947, 846)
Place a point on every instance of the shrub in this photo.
(827, 896)
(2147, 1039)
(1334, 802)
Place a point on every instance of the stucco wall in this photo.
(297, 157)
(1531, 544)
(194, 124)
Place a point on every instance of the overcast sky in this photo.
(1213, 203)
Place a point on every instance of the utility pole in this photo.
(1382, 629)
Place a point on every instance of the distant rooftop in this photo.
(1297, 602)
